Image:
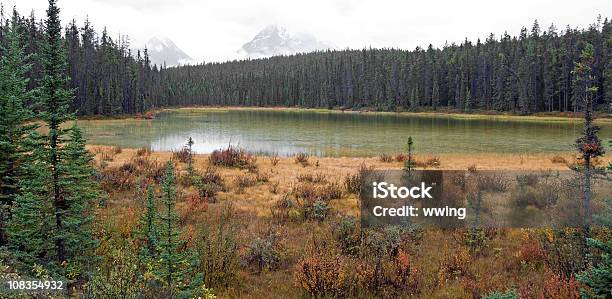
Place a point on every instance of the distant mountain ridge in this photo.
(164, 50)
(276, 40)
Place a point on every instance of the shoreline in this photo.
(478, 114)
(449, 161)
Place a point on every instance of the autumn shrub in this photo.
(432, 162)
(476, 240)
(211, 175)
(156, 172)
(529, 196)
(106, 156)
(530, 179)
(245, 181)
(384, 268)
(217, 250)
(316, 210)
(114, 179)
(232, 157)
(305, 191)
(283, 208)
(143, 151)
(273, 188)
(385, 158)
(531, 252)
(116, 150)
(400, 157)
(181, 155)
(302, 159)
(352, 182)
(274, 160)
(348, 235)
(472, 168)
(265, 253)
(317, 178)
(321, 275)
(262, 177)
(553, 285)
(329, 191)
(558, 159)
(454, 266)
(492, 182)
(196, 203)
(565, 250)
(208, 192)
(118, 275)
(309, 192)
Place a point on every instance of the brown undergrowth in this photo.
(287, 227)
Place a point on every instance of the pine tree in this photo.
(29, 227)
(173, 266)
(190, 158)
(599, 279)
(588, 145)
(13, 118)
(54, 101)
(409, 164)
(147, 231)
(79, 191)
(59, 175)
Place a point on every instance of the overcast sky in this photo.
(213, 30)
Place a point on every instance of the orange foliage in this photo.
(320, 275)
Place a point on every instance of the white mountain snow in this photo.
(275, 40)
(165, 50)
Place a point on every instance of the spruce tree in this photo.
(588, 145)
(409, 164)
(147, 231)
(13, 117)
(29, 227)
(173, 265)
(59, 175)
(54, 101)
(79, 192)
(190, 158)
(599, 279)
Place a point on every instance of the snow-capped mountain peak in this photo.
(276, 40)
(164, 50)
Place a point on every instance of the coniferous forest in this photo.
(523, 74)
(100, 221)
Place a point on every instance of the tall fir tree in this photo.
(588, 145)
(147, 232)
(60, 174)
(173, 263)
(54, 100)
(31, 221)
(80, 193)
(13, 117)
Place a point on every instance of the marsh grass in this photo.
(349, 261)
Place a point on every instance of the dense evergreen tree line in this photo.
(524, 74)
(107, 78)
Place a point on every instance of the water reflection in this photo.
(334, 134)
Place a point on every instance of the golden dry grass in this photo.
(259, 200)
(253, 214)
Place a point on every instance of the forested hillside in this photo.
(523, 74)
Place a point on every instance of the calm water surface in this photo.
(335, 134)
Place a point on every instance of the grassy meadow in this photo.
(257, 221)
